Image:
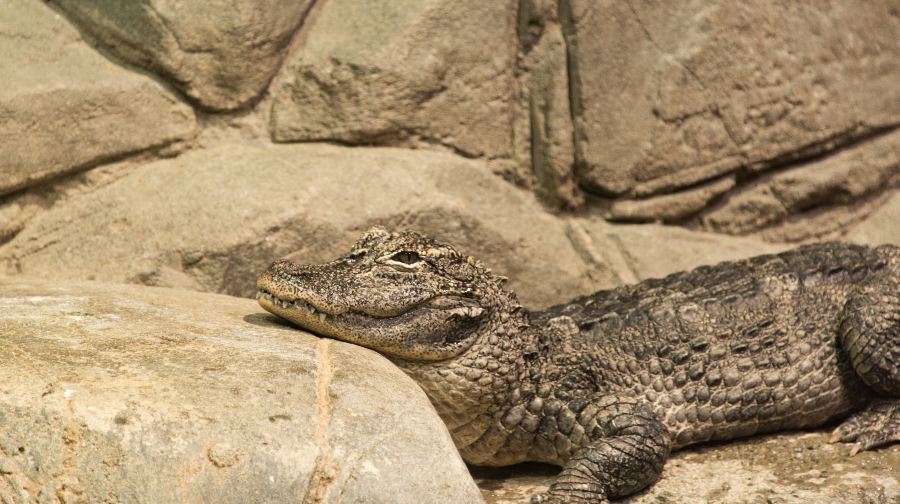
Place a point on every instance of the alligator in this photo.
(608, 384)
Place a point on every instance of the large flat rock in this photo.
(671, 94)
(222, 53)
(389, 72)
(140, 394)
(65, 107)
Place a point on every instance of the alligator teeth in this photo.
(298, 304)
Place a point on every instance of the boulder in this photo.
(213, 219)
(788, 468)
(435, 73)
(662, 101)
(222, 54)
(140, 394)
(64, 107)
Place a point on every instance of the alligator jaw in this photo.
(267, 299)
(301, 313)
(292, 309)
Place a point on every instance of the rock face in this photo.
(221, 53)
(137, 394)
(662, 102)
(406, 72)
(64, 107)
(641, 104)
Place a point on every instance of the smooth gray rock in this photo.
(141, 394)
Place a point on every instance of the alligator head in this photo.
(401, 294)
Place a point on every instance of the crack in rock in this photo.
(326, 468)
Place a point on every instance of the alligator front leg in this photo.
(628, 450)
(870, 333)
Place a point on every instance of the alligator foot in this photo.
(877, 425)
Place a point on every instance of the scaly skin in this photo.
(607, 384)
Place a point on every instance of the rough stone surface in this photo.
(670, 207)
(662, 102)
(15, 212)
(206, 221)
(883, 226)
(779, 469)
(850, 175)
(137, 394)
(542, 129)
(64, 107)
(405, 72)
(222, 53)
(635, 252)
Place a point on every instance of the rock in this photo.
(137, 394)
(16, 211)
(883, 226)
(782, 468)
(206, 221)
(662, 102)
(670, 207)
(414, 72)
(64, 107)
(542, 130)
(847, 176)
(203, 221)
(222, 54)
(637, 252)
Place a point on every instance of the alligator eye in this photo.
(406, 257)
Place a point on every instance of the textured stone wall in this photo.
(150, 142)
(693, 113)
